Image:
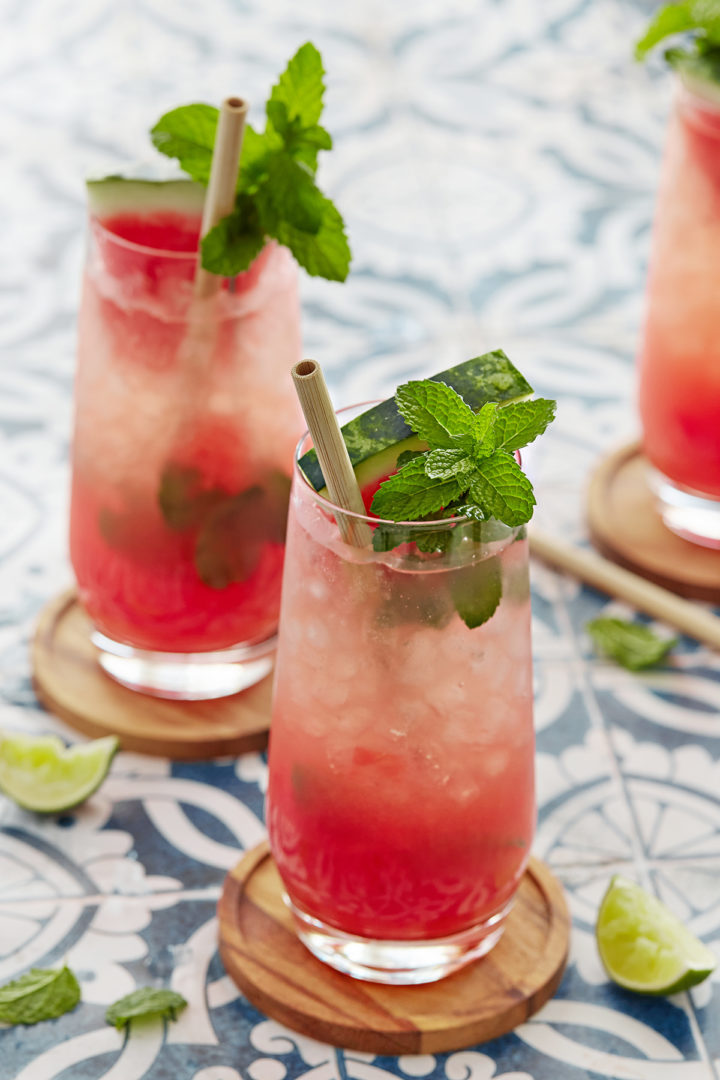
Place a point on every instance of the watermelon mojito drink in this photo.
(680, 361)
(401, 797)
(679, 392)
(185, 414)
(180, 467)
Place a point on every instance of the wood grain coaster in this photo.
(69, 681)
(488, 998)
(626, 526)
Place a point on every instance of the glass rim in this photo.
(144, 249)
(370, 519)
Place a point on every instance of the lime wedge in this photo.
(644, 947)
(40, 773)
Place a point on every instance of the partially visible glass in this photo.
(401, 797)
(185, 424)
(680, 360)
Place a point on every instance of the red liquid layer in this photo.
(181, 463)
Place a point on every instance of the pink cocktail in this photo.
(401, 797)
(184, 431)
(679, 393)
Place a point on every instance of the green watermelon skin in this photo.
(490, 377)
(113, 196)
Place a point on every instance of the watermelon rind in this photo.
(490, 377)
(111, 196)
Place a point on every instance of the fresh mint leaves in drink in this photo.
(146, 1002)
(699, 59)
(277, 196)
(632, 645)
(469, 466)
(39, 995)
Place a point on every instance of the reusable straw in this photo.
(331, 451)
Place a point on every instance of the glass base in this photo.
(185, 676)
(397, 963)
(689, 514)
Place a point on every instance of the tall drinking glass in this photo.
(185, 423)
(680, 359)
(401, 795)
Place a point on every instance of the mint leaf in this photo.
(633, 645)
(408, 455)
(326, 253)
(519, 423)
(183, 499)
(484, 430)
(702, 15)
(231, 539)
(231, 246)
(436, 413)
(145, 1002)
(476, 591)
(257, 148)
(188, 134)
(703, 66)
(387, 537)
(412, 494)
(471, 510)
(276, 193)
(300, 87)
(502, 490)
(39, 995)
(289, 197)
(443, 464)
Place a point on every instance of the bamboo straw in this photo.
(331, 451)
(615, 580)
(220, 197)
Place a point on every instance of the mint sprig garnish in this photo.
(39, 995)
(632, 645)
(701, 58)
(277, 195)
(146, 1002)
(469, 466)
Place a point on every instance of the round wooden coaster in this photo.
(626, 527)
(69, 681)
(264, 956)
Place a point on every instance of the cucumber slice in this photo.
(490, 377)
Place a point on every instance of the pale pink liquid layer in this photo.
(680, 362)
(401, 799)
(204, 419)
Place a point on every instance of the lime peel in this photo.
(40, 773)
(644, 947)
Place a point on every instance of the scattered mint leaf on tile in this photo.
(632, 645)
(39, 995)
(146, 1002)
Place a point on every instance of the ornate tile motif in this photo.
(496, 161)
